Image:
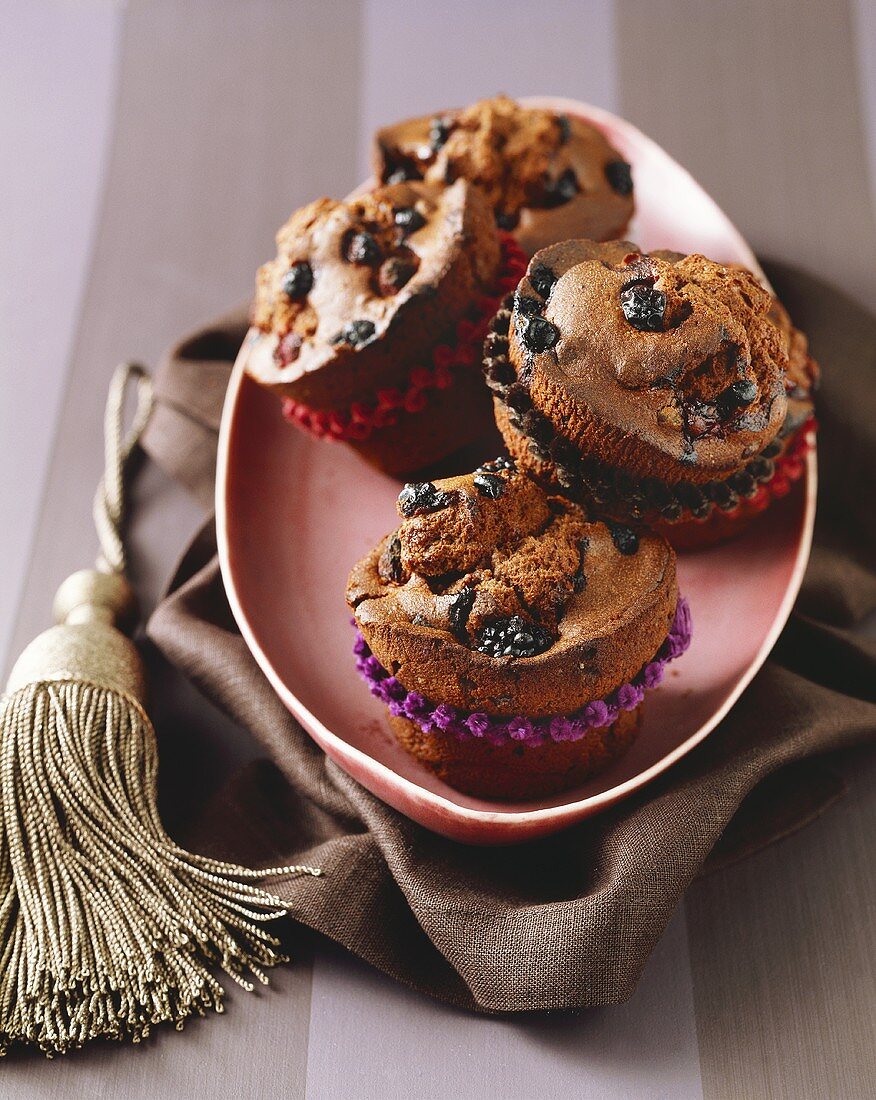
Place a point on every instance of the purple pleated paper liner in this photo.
(432, 717)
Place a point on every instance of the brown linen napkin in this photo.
(570, 920)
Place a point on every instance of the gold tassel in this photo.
(106, 926)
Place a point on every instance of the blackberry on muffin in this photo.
(656, 387)
(547, 176)
(369, 321)
(512, 638)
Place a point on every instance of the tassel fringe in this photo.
(106, 926)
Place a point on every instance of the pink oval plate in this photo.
(293, 514)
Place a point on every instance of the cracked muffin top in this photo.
(494, 595)
(547, 176)
(663, 364)
(360, 288)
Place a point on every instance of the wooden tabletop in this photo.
(152, 149)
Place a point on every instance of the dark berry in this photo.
(504, 220)
(356, 334)
(738, 395)
(619, 177)
(420, 497)
(524, 304)
(390, 566)
(643, 306)
(361, 248)
(624, 538)
(773, 450)
(460, 609)
(562, 189)
(565, 128)
(439, 132)
(701, 418)
(298, 280)
(409, 219)
(513, 637)
(394, 273)
(538, 334)
(288, 348)
(489, 485)
(402, 175)
(498, 465)
(542, 280)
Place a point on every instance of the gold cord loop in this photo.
(110, 502)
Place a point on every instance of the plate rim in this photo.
(538, 819)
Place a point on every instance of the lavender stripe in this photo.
(529, 731)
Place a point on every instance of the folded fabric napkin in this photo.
(567, 921)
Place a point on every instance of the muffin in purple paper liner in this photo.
(511, 638)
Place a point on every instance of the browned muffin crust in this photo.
(547, 176)
(494, 596)
(802, 375)
(516, 771)
(362, 290)
(661, 367)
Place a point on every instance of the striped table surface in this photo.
(151, 151)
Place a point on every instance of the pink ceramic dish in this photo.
(293, 515)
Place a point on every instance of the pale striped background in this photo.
(149, 152)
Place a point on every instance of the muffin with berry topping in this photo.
(547, 176)
(511, 638)
(657, 388)
(369, 322)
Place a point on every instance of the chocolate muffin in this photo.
(511, 638)
(369, 322)
(660, 388)
(547, 176)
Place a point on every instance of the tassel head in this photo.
(91, 610)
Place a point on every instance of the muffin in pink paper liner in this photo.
(369, 323)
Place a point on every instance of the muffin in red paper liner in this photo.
(512, 639)
(369, 323)
(547, 176)
(660, 388)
